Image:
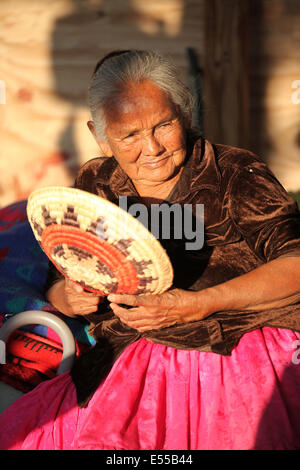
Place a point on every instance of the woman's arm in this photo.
(272, 285)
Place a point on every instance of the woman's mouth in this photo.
(155, 163)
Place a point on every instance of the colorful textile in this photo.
(160, 398)
(31, 359)
(23, 265)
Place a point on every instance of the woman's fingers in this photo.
(73, 286)
(143, 319)
(80, 301)
(131, 317)
(126, 299)
(146, 312)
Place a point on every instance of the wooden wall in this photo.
(48, 50)
(252, 80)
(274, 70)
(226, 71)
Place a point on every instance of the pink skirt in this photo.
(160, 398)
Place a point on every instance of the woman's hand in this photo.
(150, 312)
(71, 299)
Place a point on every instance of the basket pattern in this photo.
(96, 244)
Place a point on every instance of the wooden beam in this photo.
(226, 72)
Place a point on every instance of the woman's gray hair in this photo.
(121, 67)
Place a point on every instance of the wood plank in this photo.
(274, 67)
(226, 71)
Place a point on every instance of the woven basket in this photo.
(96, 244)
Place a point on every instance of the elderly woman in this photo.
(203, 365)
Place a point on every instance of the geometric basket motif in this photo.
(97, 244)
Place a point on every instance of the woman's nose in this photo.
(152, 146)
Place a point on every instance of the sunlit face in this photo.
(146, 134)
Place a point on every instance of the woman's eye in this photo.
(129, 136)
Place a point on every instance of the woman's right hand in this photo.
(71, 299)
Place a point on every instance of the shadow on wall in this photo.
(274, 66)
(93, 29)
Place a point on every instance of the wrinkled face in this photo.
(146, 134)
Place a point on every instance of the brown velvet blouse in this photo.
(249, 219)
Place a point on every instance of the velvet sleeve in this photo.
(264, 213)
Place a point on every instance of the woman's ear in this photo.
(91, 127)
(103, 144)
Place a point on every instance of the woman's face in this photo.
(146, 134)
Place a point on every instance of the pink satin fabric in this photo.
(160, 398)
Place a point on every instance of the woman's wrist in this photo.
(56, 296)
(206, 303)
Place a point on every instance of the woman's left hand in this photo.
(150, 312)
